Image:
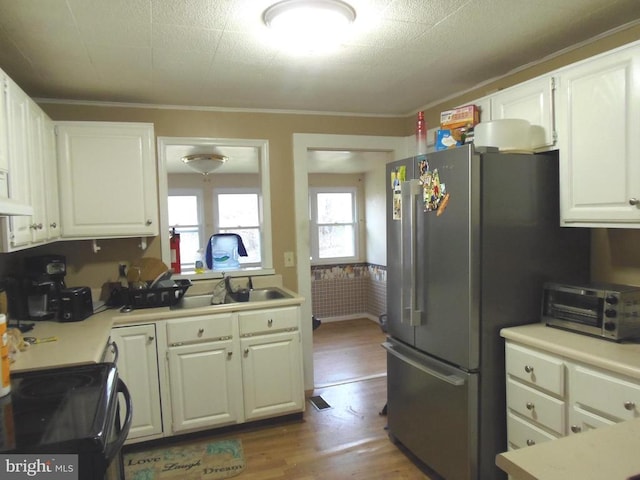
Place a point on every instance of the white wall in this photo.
(375, 206)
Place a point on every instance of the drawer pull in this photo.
(200, 332)
(246, 351)
(629, 405)
(530, 442)
(528, 368)
(229, 354)
(270, 322)
(530, 406)
(576, 428)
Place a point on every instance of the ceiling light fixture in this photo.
(204, 163)
(311, 25)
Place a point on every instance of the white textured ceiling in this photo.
(402, 54)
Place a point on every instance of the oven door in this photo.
(118, 435)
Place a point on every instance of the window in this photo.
(234, 211)
(237, 212)
(333, 221)
(185, 216)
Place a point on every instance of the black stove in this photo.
(71, 410)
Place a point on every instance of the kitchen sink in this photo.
(255, 295)
(271, 293)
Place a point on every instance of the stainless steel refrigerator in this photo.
(471, 238)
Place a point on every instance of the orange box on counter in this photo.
(459, 117)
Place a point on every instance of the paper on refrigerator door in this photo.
(398, 175)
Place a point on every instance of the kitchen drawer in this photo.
(199, 329)
(536, 368)
(523, 434)
(603, 393)
(265, 321)
(536, 406)
(582, 421)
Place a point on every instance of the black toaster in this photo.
(75, 304)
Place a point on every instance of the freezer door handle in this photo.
(408, 221)
(454, 380)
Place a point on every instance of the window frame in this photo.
(199, 194)
(215, 192)
(314, 248)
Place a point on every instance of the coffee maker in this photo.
(44, 284)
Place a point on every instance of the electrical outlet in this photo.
(289, 259)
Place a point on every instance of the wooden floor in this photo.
(347, 440)
(346, 351)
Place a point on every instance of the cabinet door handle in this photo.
(200, 332)
(576, 428)
(530, 442)
(629, 405)
(53, 225)
(528, 368)
(151, 339)
(270, 322)
(634, 202)
(229, 354)
(148, 222)
(246, 351)
(530, 406)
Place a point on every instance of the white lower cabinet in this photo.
(601, 398)
(536, 400)
(138, 367)
(271, 362)
(549, 396)
(204, 372)
(232, 367)
(203, 379)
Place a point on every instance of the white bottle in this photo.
(5, 379)
(200, 261)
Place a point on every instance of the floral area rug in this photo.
(195, 461)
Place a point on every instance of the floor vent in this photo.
(319, 403)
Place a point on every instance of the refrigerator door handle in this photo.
(410, 313)
(445, 377)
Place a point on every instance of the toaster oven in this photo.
(605, 310)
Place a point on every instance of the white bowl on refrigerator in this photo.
(507, 134)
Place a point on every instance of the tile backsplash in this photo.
(348, 290)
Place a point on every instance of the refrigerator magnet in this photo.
(433, 192)
(443, 205)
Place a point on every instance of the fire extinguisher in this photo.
(174, 245)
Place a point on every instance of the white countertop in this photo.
(608, 453)
(622, 358)
(77, 343)
(84, 342)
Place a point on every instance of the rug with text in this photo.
(195, 461)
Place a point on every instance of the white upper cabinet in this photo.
(4, 128)
(17, 230)
(32, 181)
(532, 101)
(50, 170)
(107, 179)
(599, 139)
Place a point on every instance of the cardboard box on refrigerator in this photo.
(456, 126)
(467, 116)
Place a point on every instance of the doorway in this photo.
(304, 144)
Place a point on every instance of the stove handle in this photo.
(116, 445)
(111, 357)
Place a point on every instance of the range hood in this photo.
(10, 208)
